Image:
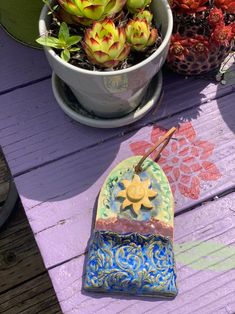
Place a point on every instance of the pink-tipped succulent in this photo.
(144, 15)
(140, 35)
(135, 6)
(87, 11)
(105, 44)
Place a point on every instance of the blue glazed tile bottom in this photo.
(131, 264)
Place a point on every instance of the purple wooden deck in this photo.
(59, 166)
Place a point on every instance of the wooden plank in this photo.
(8, 192)
(20, 258)
(4, 179)
(34, 296)
(202, 289)
(20, 261)
(20, 64)
(34, 131)
(59, 198)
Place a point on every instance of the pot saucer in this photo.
(71, 106)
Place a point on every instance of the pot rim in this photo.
(166, 40)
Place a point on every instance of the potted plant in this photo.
(112, 49)
(203, 35)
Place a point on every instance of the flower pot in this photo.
(199, 46)
(113, 94)
(20, 19)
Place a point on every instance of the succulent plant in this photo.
(227, 5)
(135, 6)
(191, 6)
(140, 35)
(87, 11)
(215, 17)
(222, 34)
(200, 45)
(178, 47)
(105, 44)
(144, 15)
(203, 35)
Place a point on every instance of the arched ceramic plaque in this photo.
(131, 249)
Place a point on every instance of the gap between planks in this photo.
(15, 88)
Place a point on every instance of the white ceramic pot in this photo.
(114, 93)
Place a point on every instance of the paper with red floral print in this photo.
(185, 160)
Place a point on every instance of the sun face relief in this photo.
(136, 193)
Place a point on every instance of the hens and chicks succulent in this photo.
(107, 41)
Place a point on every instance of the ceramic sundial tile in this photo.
(131, 249)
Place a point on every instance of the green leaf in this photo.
(205, 255)
(72, 40)
(64, 32)
(65, 55)
(74, 49)
(50, 42)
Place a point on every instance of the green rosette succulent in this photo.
(105, 44)
(135, 6)
(140, 35)
(144, 15)
(87, 11)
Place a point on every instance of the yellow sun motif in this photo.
(136, 194)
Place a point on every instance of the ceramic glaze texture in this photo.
(132, 264)
(131, 249)
(156, 220)
(113, 93)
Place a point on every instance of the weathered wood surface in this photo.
(59, 197)
(4, 179)
(20, 258)
(206, 276)
(35, 296)
(20, 261)
(20, 65)
(34, 131)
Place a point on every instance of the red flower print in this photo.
(184, 160)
